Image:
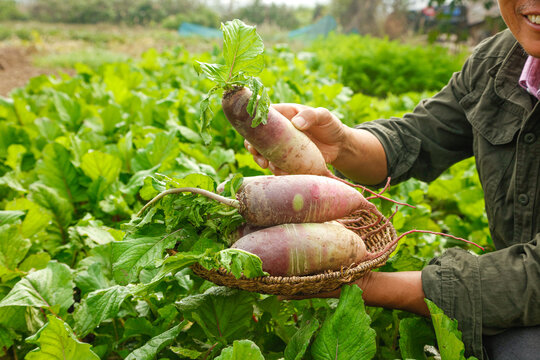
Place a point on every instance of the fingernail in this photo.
(260, 162)
(299, 122)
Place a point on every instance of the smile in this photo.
(535, 19)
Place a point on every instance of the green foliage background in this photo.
(80, 155)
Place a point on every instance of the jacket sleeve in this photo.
(429, 140)
(487, 293)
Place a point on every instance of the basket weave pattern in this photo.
(380, 236)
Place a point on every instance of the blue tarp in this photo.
(188, 29)
(320, 28)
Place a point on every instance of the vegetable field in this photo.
(82, 277)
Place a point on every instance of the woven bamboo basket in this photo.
(378, 237)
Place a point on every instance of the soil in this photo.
(16, 68)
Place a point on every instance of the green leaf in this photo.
(91, 279)
(215, 72)
(298, 344)
(223, 313)
(15, 155)
(97, 235)
(35, 220)
(162, 151)
(7, 337)
(346, 334)
(68, 109)
(241, 350)
(242, 49)
(134, 253)
(177, 262)
(35, 262)
(56, 341)
(98, 306)
(56, 171)
(13, 247)
(10, 217)
(151, 349)
(96, 164)
(59, 207)
(414, 334)
(241, 262)
(50, 288)
(186, 353)
(448, 336)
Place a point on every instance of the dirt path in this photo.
(16, 68)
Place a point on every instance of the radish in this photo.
(277, 140)
(311, 248)
(274, 200)
(303, 249)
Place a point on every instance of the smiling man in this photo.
(488, 110)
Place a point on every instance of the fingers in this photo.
(262, 161)
(259, 159)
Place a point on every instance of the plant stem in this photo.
(208, 194)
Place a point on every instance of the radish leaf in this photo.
(243, 53)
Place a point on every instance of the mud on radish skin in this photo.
(274, 200)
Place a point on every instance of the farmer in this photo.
(488, 110)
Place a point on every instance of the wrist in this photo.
(361, 157)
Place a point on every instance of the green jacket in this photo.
(482, 112)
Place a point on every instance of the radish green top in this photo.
(243, 54)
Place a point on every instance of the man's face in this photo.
(523, 19)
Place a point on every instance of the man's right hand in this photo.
(319, 124)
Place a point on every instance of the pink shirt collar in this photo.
(530, 76)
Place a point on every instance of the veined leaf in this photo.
(161, 151)
(215, 72)
(68, 110)
(57, 342)
(13, 247)
(240, 263)
(15, 155)
(98, 306)
(448, 336)
(50, 288)
(35, 220)
(346, 334)
(56, 171)
(9, 217)
(414, 334)
(132, 254)
(151, 349)
(59, 207)
(240, 350)
(242, 49)
(221, 312)
(297, 346)
(96, 164)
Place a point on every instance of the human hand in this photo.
(319, 124)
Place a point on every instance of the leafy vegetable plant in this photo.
(243, 54)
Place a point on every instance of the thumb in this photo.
(307, 118)
(300, 122)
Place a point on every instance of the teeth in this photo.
(534, 18)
